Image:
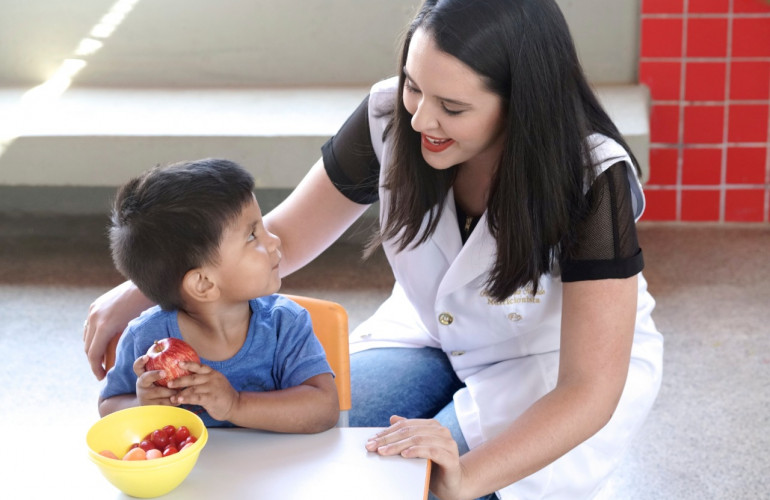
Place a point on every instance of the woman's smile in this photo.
(434, 144)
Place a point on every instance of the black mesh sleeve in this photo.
(607, 245)
(350, 160)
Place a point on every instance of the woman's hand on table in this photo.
(424, 438)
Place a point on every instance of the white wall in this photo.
(207, 43)
(218, 61)
(223, 43)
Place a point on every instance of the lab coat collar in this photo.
(447, 234)
(466, 262)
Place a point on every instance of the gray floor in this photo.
(707, 436)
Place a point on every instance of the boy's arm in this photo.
(312, 406)
(115, 403)
(147, 393)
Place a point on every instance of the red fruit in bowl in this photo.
(146, 445)
(159, 439)
(165, 354)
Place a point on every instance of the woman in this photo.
(517, 351)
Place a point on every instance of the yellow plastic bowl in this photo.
(144, 478)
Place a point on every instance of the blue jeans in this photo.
(410, 382)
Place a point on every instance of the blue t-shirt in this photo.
(280, 351)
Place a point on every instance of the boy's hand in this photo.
(146, 391)
(205, 387)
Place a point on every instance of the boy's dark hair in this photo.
(170, 220)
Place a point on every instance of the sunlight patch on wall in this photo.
(88, 46)
(35, 102)
(55, 86)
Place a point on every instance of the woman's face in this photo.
(459, 119)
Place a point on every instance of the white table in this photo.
(234, 464)
(239, 463)
(50, 461)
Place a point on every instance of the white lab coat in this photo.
(506, 353)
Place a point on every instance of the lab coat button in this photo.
(457, 353)
(445, 319)
(515, 317)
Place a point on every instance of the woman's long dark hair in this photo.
(524, 52)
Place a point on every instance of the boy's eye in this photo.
(251, 237)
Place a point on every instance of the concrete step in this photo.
(99, 138)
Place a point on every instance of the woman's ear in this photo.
(197, 286)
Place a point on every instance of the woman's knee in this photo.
(410, 382)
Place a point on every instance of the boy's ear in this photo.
(197, 285)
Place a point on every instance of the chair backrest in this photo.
(330, 323)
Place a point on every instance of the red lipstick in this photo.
(435, 145)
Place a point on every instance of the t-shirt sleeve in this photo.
(121, 378)
(299, 354)
(607, 244)
(350, 160)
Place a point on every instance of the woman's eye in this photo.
(251, 237)
(411, 88)
(451, 112)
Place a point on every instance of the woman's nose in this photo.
(423, 119)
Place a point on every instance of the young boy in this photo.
(190, 236)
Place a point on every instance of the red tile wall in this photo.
(707, 64)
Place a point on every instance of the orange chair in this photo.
(330, 323)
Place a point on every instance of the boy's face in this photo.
(248, 258)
